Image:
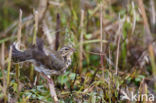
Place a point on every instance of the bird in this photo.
(47, 62)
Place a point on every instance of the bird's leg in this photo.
(51, 87)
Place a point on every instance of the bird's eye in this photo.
(66, 49)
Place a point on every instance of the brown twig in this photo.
(35, 26)
(51, 87)
(153, 63)
(4, 89)
(101, 47)
(96, 53)
(9, 66)
(34, 41)
(81, 41)
(3, 61)
(44, 10)
(152, 16)
(117, 54)
(52, 90)
(148, 36)
(47, 33)
(101, 38)
(118, 45)
(19, 27)
(19, 41)
(8, 70)
(57, 35)
(134, 17)
(55, 3)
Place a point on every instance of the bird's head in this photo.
(66, 51)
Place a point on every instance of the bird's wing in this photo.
(50, 61)
(36, 55)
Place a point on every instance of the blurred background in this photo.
(115, 42)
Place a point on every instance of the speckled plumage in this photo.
(47, 62)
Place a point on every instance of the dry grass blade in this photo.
(55, 3)
(118, 44)
(153, 62)
(4, 89)
(34, 41)
(81, 41)
(42, 9)
(148, 36)
(101, 38)
(114, 51)
(134, 17)
(9, 66)
(152, 15)
(117, 54)
(35, 26)
(47, 33)
(7, 39)
(143, 13)
(152, 58)
(3, 59)
(94, 41)
(19, 41)
(19, 27)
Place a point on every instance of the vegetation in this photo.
(115, 46)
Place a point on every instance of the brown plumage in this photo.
(47, 62)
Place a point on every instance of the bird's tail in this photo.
(19, 55)
(26, 55)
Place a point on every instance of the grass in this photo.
(114, 50)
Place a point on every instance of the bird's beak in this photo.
(73, 49)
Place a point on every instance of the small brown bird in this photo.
(47, 62)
